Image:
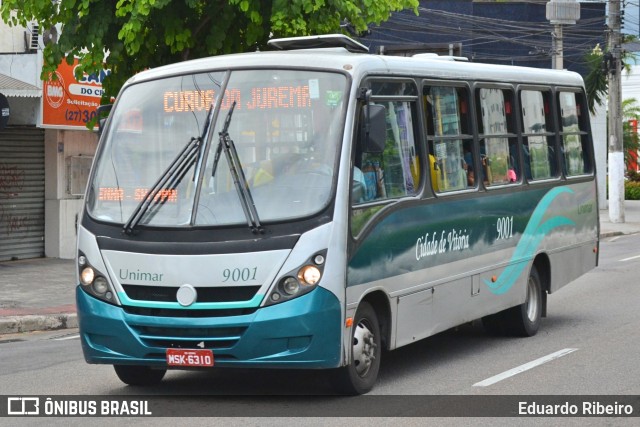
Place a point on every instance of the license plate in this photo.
(189, 357)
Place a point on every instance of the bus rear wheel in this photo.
(139, 375)
(522, 320)
(360, 375)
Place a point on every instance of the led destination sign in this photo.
(257, 98)
(117, 194)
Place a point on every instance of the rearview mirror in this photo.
(374, 129)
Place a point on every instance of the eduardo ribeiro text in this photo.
(586, 409)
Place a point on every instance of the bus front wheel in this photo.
(139, 375)
(360, 375)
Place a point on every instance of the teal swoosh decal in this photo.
(533, 235)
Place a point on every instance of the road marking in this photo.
(525, 367)
(630, 258)
(71, 337)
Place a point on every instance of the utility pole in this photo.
(616, 153)
(558, 50)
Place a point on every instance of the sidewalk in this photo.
(39, 294)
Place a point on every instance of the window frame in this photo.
(584, 131)
(551, 132)
(430, 137)
(369, 208)
(512, 134)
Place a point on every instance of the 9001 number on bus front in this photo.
(239, 274)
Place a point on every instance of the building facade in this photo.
(39, 200)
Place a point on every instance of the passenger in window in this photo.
(471, 176)
(468, 164)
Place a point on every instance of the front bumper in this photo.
(302, 333)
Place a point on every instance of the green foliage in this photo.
(632, 190)
(140, 34)
(632, 186)
(596, 81)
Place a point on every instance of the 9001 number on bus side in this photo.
(504, 228)
(239, 274)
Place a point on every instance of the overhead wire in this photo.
(475, 32)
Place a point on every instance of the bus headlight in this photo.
(299, 281)
(309, 274)
(290, 285)
(100, 285)
(93, 281)
(87, 275)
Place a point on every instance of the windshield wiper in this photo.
(170, 178)
(235, 168)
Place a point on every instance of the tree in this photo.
(598, 67)
(139, 34)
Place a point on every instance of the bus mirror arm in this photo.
(101, 111)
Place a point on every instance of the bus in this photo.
(316, 206)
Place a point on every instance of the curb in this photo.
(37, 322)
(606, 234)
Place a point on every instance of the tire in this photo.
(139, 375)
(524, 320)
(360, 375)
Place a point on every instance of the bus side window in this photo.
(396, 171)
(537, 135)
(451, 153)
(576, 158)
(498, 139)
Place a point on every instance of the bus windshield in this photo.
(286, 131)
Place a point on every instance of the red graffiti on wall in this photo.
(14, 223)
(11, 183)
(11, 180)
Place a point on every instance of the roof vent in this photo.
(318, 42)
(441, 57)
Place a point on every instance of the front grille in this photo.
(189, 337)
(205, 294)
(177, 312)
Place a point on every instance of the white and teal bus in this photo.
(314, 206)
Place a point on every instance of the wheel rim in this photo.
(364, 348)
(533, 301)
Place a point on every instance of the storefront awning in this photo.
(11, 87)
